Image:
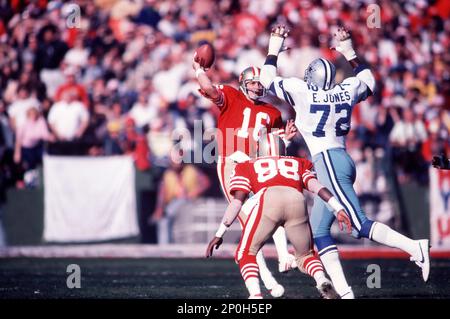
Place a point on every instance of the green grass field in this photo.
(201, 279)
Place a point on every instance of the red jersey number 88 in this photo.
(268, 168)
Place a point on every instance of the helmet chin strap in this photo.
(262, 91)
(257, 99)
(256, 91)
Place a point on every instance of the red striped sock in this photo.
(313, 267)
(250, 273)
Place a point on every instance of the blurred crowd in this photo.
(108, 77)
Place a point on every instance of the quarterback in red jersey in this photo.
(278, 182)
(242, 117)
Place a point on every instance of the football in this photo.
(204, 55)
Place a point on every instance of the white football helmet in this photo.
(321, 73)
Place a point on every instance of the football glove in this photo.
(279, 33)
(344, 44)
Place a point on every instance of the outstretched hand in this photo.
(196, 65)
(342, 34)
(290, 129)
(344, 44)
(343, 219)
(279, 33)
(215, 242)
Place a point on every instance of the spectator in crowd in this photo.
(133, 59)
(17, 111)
(134, 142)
(407, 137)
(6, 131)
(2, 201)
(49, 55)
(113, 129)
(71, 84)
(77, 56)
(180, 185)
(68, 120)
(160, 136)
(92, 71)
(145, 109)
(30, 136)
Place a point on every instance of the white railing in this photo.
(199, 223)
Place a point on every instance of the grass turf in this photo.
(202, 279)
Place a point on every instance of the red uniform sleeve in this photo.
(226, 96)
(306, 171)
(240, 179)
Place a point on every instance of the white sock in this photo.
(252, 285)
(385, 235)
(319, 277)
(333, 267)
(266, 276)
(313, 267)
(279, 239)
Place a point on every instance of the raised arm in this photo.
(345, 47)
(269, 69)
(207, 89)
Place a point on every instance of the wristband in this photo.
(271, 60)
(275, 44)
(350, 55)
(222, 229)
(334, 204)
(347, 49)
(286, 142)
(199, 71)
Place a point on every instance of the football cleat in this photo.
(277, 291)
(348, 295)
(287, 263)
(327, 291)
(423, 260)
(258, 296)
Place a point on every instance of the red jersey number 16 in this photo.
(260, 118)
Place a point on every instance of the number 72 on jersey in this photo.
(342, 123)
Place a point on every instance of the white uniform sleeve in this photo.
(268, 74)
(367, 78)
(285, 88)
(362, 85)
(357, 88)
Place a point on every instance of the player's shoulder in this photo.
(245, 164)
(292, 84)
(227, 89)
(242, 169)
(269, 108)
(350, 82)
